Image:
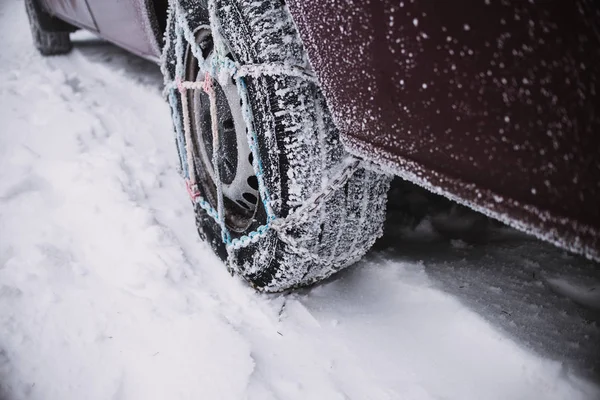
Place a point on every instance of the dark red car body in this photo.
(494, 104)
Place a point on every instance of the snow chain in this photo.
(183, 133)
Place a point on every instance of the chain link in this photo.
(300, 214)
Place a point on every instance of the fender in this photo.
(492, 104)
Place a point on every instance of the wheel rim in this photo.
(236, 174)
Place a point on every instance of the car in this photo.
(290, 118)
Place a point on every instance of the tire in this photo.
(50, 34)
(300, 149)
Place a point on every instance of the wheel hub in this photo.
(234, 158)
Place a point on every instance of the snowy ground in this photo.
(106, 292)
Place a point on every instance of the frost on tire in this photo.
(50, 34)
(319, 209)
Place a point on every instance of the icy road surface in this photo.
(106, 292)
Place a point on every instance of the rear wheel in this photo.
(50, 34)
(297, 144)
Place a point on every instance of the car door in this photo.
(128, 24)
(75, 11)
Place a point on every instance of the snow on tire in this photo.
(299, 150)
(50, 34)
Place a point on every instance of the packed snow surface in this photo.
(107, 293)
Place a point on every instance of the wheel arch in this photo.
(158, 10)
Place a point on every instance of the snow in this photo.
(106, 291)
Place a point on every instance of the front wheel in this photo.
(275, 192)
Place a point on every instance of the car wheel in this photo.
(50, 34)
(295, 207)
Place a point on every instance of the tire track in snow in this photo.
(107, 292)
